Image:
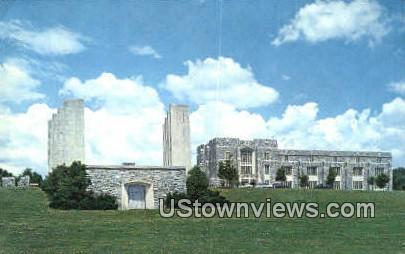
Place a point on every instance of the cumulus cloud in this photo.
(325, 20)
(123, 96)
(144, 51)
(23, 138)
(56, 40)
(126, 122)
(398, 87)
(221, 79)
(16, 83)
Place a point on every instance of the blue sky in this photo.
(303, 66)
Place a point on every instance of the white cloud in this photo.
(325, 20)
(144, 51)
(218, 119)
(16, 82)
(51, 41)
(116, 95)
(398, 87)
(23, 138)
(221, 79)
(127, 122)
(285, 77)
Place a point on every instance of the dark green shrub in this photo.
(197, 188)
(212, 197)
(67, 189)
(176, 196)
(197, 183)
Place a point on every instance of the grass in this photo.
(27, 225)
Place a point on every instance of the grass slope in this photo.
(27, 225)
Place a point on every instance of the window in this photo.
(379, 160)
(336, 169)
(285, 157)
(357, 159)
(336, 185)
(312, 184)
(267, 169)
(311, 158)
(289, 184)
(357, 171)
(311, 171)
(287, 170)
(335, 159)
(266, 182)
(267, 156)
(244, 181)
(379, 171)
(246, 163)
(228, 155)
(357, 185)
(246, 170)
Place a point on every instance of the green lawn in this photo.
(28, 226)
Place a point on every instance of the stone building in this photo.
(258, 160)
(136, 187)
(176, 137)
(66, 134)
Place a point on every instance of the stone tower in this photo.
(176, 137)
(66, 134)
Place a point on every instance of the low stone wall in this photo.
(112, 180)
(8, 182)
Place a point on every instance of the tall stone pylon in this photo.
(176, 137)
(66, 135)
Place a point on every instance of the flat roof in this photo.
(134, 167)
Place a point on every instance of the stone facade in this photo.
(176, 137)
(258, 161)
(157, 182)
(8, 182)
(66, 134)
(24, 182)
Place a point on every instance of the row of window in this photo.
(312, 171)
(267, 156)
(356, 185)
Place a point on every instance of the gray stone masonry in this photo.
(8, 182)
(111, 179)
(265, 154)
(24, 182)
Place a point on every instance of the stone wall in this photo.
(112, 179)
(8, 182)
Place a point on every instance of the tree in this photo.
(304, 181)
(66, 188)
(398, 179)
(197, 183)
(5, 173)
(371, 181)
(330, 179)
(228, 173)
(382, 180)
(280, 175)
(197, 188)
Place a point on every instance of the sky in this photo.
(311, 74)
